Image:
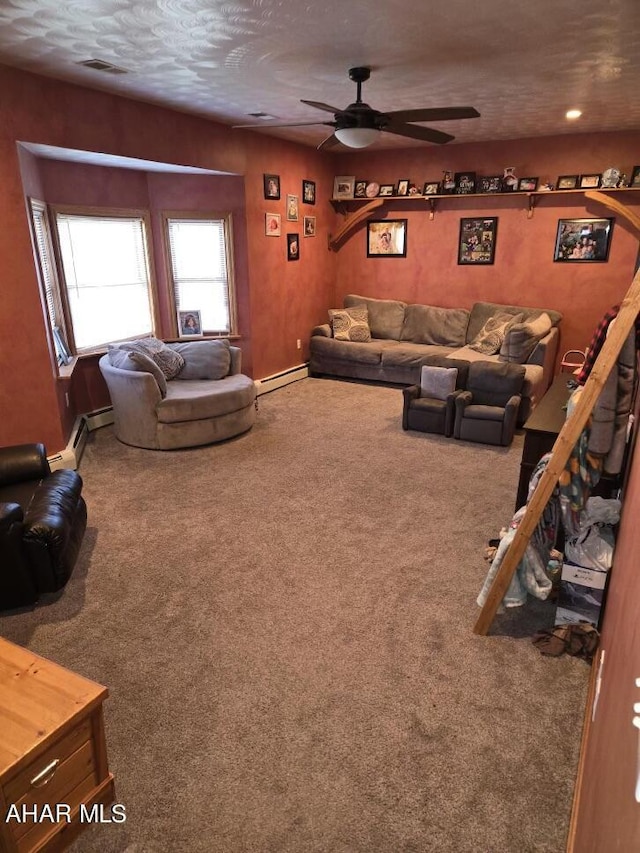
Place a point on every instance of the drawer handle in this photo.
(46, 775)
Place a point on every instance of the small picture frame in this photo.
(403, 187)
(489, 184)
(293, 247)
(477, 243)
(272, 224)
(360, 189)
(343, 186)
(308, 192)
(590, 182)
(431, 188)
(465, 183)
(387, 238)
(271, 186)
(529, 185)
(387, 189)
(309, 229)
(583, 240)
(292, 208)
(635, 177)
(189, 324)
(567, 182)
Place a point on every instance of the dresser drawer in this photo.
(63, 774)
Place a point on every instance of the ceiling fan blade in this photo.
(283, 124)
(320, 106)
(425, 134)
(329, 142)
(434, 114)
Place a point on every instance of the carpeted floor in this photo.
(284, 622)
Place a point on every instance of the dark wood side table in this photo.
(541, 430)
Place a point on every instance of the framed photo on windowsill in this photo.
(189, 324)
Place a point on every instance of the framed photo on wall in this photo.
(189, 324)
(309, 229)
(387, 238)
(583, 240)
(477, 243)
(309, 192)
(271, 186)
(292, 208)
(272, 224)
(293, 247)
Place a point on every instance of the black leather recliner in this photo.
(43, 517)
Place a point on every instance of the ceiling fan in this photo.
(358, 125)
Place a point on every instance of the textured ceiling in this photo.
(522, 65)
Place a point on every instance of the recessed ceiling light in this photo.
(573, 114)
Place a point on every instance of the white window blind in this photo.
(200, 270)
(104, 260)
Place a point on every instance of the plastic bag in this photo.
(593, 546)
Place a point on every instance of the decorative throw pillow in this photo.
(350, 324)
(522, 338)
(204, 359)
(490, 337)
(126, 360)
(437, 382)
(169, 361)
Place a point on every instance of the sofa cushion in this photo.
(438, 382)
(126, 360)
(386, 316)
(490, 337)
(330, 348)
(203, 359)
(522, 338)
(200, 398)
(350, 324)
(426, 324)
(481, 311)
(169, 361)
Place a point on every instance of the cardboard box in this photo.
(581, 595)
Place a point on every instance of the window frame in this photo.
(49, 280)
(226, 218)
(103, 213)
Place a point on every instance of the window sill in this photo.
(65, 371)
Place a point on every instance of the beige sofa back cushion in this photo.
(204, 359)
(425, 324)
(481, 312)
(386, 316)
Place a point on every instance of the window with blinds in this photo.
(106, 277)
(200, 269)
(48, 278)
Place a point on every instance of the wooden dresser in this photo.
(52, 752)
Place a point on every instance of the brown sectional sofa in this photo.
(404, 337)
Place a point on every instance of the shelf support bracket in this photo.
(352, 221)
(432, 207)
(531, 202)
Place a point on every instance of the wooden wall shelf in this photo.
(357, 209)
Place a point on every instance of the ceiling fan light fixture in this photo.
(357, 137)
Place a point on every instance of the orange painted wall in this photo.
(281, 301)
(524, 271)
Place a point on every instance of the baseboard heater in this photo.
(72, 454)
(277, 380)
